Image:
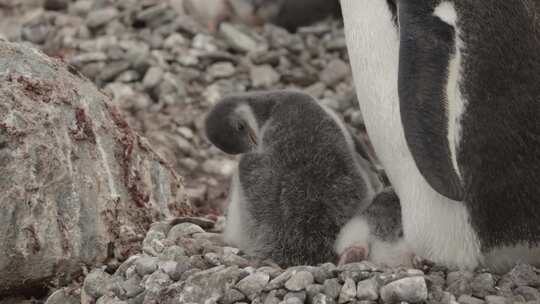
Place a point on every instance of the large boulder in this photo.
(77, 186)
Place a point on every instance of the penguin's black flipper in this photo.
(426, 47)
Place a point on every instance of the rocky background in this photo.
(164, 70)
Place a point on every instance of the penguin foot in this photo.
(353, 254)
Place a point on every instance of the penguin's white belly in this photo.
(235, 233)
(435, 227)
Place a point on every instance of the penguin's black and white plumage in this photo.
(298, 180)
(451, 102)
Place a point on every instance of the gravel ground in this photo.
(164, 70)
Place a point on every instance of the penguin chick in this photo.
(375, 234)
(297, 181)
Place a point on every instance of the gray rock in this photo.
(221, 70)
(300, 295)
(524, 275)
(231, 296)
(132, 286)
(240, 38)
(412, 290)
(153, 12)
(63, 296)
(253, 284)
(529, 293)
(299, 281)
(156, 282)
(483, 285)
(100, 17)
(213, 259)
(152, 242)
(279, 281)
(36, 31)
(183, 230)
(263, 76)
(465, 299)
(271, 298)
(357, 120)
(88, 57)
(323, 299)
(208, 285)
(459, 282)
(231, 259)
(348, 291)
(332, 288)
(113, 69)
(171, 269)
(152, 77)
(312, 290)
(174, 253)
(334, 72)
(316, 90)
(109, 300)
(292, 301)
(358, 267)
(368, 290)
(96, 282)
(146, 265)
(496, 300)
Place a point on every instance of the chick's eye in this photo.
(240, 127)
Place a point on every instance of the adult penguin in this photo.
(451, 103)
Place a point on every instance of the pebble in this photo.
(62, 296)
(459, 282)
(465, 299)
(323, 299)
(312, 290)
(335, 71)
(368, 290)
(253, 284)
(231, 296)
(299, 281)
(239, 39)
(529, 293)
(221, 70)
(332, 288)
(348, 291)
(183, 230)
(524, 275)
(152, 77)
(483, 285)
(146, 265)
(271, 298)
(132, 286)
(263, 76)
(100, 17)
(412, 290)
(96, 283)
(496, 300)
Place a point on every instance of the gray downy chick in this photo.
(376, 234)
(298, 180)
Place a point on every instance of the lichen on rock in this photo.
(78, 186)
